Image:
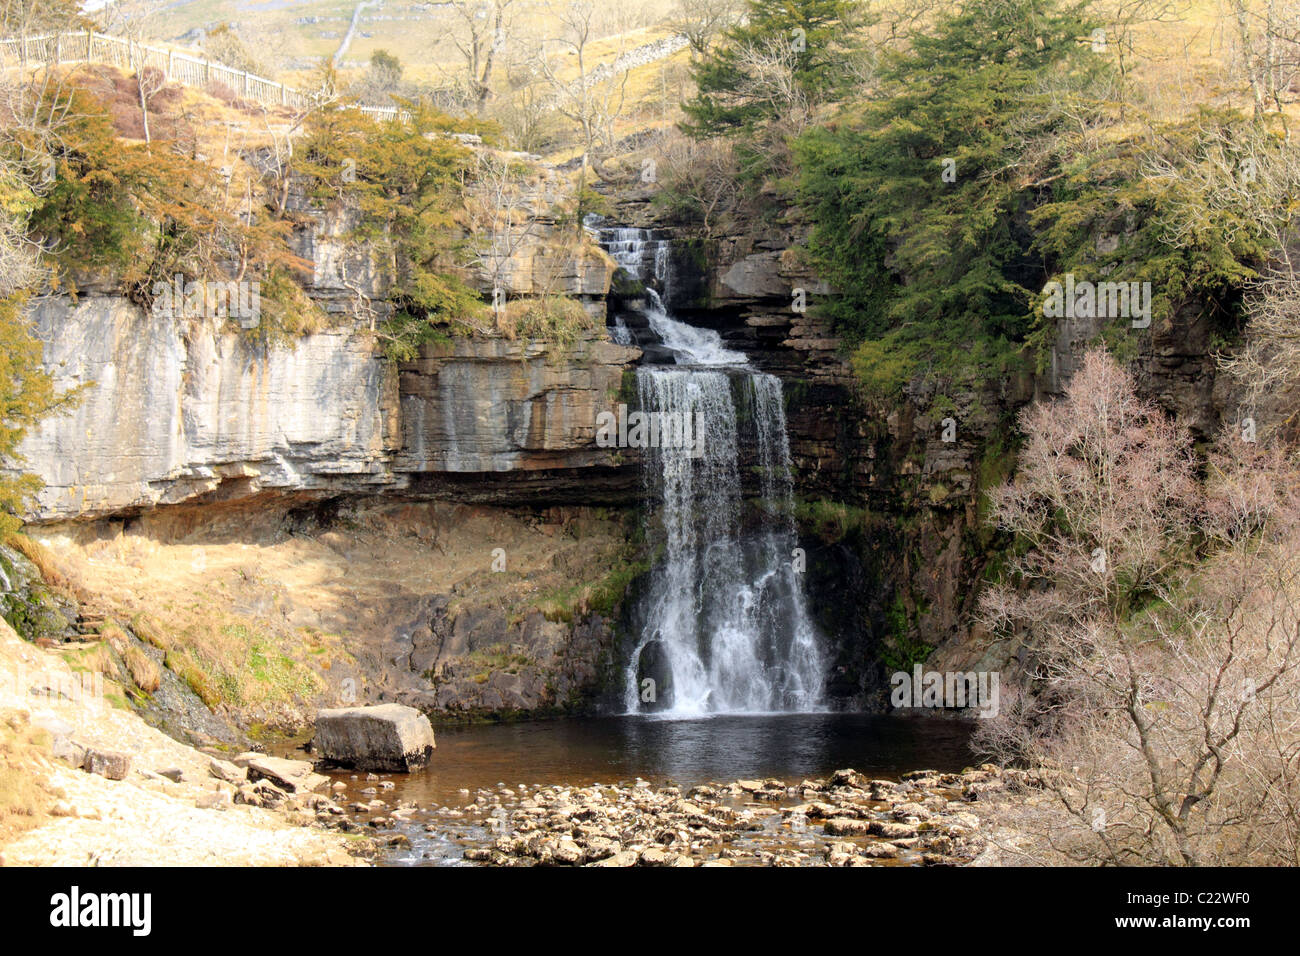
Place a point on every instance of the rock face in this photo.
(384, 737)
(201, 411)
(174, 412)
(498, 405)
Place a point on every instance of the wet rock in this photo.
(847, 826)
(384, 737)
(654, 665)
(892, 831)
(621, 858)
(849, 778)
(263, 793)
(654, 856)
(880, 850)
(637, 824)
(903, 811)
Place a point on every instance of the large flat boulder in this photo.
(292, 776)
(382, 737)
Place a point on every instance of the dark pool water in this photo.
(687, 752)
(473, 761)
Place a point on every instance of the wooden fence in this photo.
(91, 47)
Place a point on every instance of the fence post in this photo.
(58, 48)
(168, 74)
(90, 44)
(245, 83)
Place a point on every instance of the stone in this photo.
(654, 856)
(68, 750)
(216, 800)
(621, 858)
(292, 776)
(107, 763)
(904, 810)
(892, 831)
(62, 746)
(846, 826)
(227, 771)
(389, 737)
(569, 853)
(882, 851)
(263, 793)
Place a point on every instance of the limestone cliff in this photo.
(178, 412)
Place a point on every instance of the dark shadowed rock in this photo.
(383, 737)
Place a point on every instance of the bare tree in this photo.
(483, 28)
(1164, 695)
(35, 17)
(524, 111)
(703, 21)
(35, 114)
(594, 99)
(1124, 21)
(502, 215)
(700, 176)
(1268, 50)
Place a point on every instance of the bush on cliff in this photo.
(406, 182)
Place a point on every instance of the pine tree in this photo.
(918, 197)
(817, 37)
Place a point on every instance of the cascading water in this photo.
(726, 627)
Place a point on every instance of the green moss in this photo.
(901, 649)
(831, 521)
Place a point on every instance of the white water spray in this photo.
(726, 622)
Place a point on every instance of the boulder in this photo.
(107, 763)
(292, 776)
(227, 771)
(382, 737)
(214, 800)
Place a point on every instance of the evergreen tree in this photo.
(816, 39)
(918, 198)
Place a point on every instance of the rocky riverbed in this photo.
(925, 819)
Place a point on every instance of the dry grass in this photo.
(23, 803)
(39, 556)
(144, 672)
(269, 628)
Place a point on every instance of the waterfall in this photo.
(726, 627)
